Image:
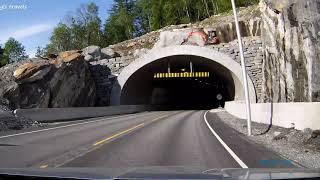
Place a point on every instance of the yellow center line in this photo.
(44, 166)
(116, 135)
(159, 118)
(126, 131)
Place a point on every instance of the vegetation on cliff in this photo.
(129, 19)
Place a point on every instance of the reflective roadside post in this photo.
(244, 71)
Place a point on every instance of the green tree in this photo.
(142, 14)
(87, 24)
(120, 25)
(14, 51)
(41, 52)
(60, 39)
(3, 61)
(80, 29)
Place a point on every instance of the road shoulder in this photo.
(254, 155)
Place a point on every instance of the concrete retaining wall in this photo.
(297, 115)
(66, 114)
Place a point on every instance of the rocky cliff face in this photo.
(41, 83)
(291, 37)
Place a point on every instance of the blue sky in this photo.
(32, 21)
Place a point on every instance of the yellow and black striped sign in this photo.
(181, 75)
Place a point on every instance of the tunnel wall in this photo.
(252, 51)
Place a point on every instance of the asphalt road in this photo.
(176, 138)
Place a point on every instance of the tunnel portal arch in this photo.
(160, 54)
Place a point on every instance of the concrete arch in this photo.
(185, 50)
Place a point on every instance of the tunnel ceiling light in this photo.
(181, 75)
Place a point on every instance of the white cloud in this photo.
(27, 31)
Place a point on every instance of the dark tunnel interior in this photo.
(180, 92)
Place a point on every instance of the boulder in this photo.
(33, 95)
(11, 92)
(88, 58)
(182, 37)
(72, 86)
(69, 56)
(4, 105)
(171, 38)
(31, 72)
(94, 51)
(62, 82)
(108, 53)
(197, 37)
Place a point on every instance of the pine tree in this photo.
(120, 25)
(14, 51)
(41, 52)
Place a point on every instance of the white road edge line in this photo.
(70, 125)
(233, 154)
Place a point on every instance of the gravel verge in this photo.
(10, 122)
(302, 147)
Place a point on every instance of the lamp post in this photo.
(244, 71)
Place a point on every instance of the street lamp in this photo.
(244, 71)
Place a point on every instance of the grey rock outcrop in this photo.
(62, 82)
(88, 58)
(72, 85)
(93, 51)
(290, 32)
(107, 53)
(4, 105)
(182, 36)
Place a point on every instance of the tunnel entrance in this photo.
(191, 93)
(199, 90)
(138, 83)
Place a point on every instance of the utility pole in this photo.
(244, 71)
